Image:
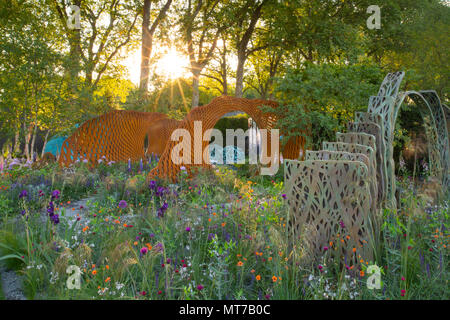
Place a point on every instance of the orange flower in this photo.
(354, 249)
(107, 267)
(258, 277)
(270, 258)
(209, 219)
(149, 246)
(274, 279)
(252, 271)
(94, 272)
(107, 279)
(223, 224)
(135, 243)
(361, 273)
(240, 264)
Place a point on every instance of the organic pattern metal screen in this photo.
(320, 189)
(329, 202)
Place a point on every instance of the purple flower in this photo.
(22, 212)
(341, 223)
(141, 166)
(200, 287)
(50, 208)
(188, 229)
(55, 219)
(211, 236)
(144, 250)
(152, 185)
(55, 194)
(22, 194)
(160, 191)
(284, 195)
(122, 204)
(163, 209)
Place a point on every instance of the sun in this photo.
(172, 65)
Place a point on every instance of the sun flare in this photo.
(172, 65)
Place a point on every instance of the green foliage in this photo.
(239, 121)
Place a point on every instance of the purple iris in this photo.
(50, 208)
(162, 210)
(122, 204)
(160, 191)
(152, 185)
(22, 194)
(55, 194)
(55, 218)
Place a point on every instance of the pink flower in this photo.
(403, 278)
(144, 250)
(200, 287)
(188, 229)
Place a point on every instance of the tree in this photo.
(99, 43)
(201, 28)
(247, 17)
(147, 38)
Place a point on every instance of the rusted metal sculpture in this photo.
(120, 135)
(208, 115)
(117, 136)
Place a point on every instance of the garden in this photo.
(94, 206)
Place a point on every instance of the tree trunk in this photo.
(28, 132)
(45, 143)
(146, 46)
(240, 75)
(195, 88)
(33, 141)
(16, 149)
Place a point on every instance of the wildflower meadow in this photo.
(217, 235)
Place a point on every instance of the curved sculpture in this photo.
(159, 134)
(120, 135)
(117, 135)
(208, 115)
